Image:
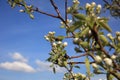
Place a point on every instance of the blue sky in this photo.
(23, 49)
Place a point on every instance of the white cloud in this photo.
(45, 66)
(17, 66)
(17, 56)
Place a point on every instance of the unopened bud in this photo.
(54, 44)
(59, 42)
(93, 4)
(21, 10)
(108, 61)
(76, 2)
(99, 6)
(118, 38)
(87, 5)
(118, 33)
(113, 57)
(94, 65)
(75, 40)
(65, 44)
(98, 59)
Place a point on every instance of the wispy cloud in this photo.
(17, 66)
(17, 56)
(20, 63)
(45, 66)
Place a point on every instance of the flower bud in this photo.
(108, 61)
(93, 4)
(61, 23)
(75, 40)
(65, 44)
(59, 42)
(118, 33)
(76, 2)
(99, 6)
(87, 5)
(83, 76)
(54, 44)
(113, 57)
(98, 59)
(94, 65)
(110, 36)
(51, 33)
(68, 9)
(98, 17)
(21, 10)
(118, 38)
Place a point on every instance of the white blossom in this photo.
(65, 44)
(75, 39)
(109, 35)
(118, 33)
(118, 38)
(54, 44)
(87, 5)
(59, 42)
(98, 59)
(98, 17)
(108, 61)
(113, 57)
(76, 2)
(99, 6)
(51, 33)
(93, 4)
(95, 65)
(21, 10)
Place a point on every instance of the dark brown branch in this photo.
(66, 2)
(80, 62)
(39, 11)
(55, 7)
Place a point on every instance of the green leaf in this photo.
(13, 5)
(59, 38)
(84, 32)
(87, 64)
(105, 26)
(73, 28)
(80, 16)
(104, 39)
(109, 76)
(84, 44)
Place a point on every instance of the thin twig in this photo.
(80, 62)
(66, 2)
(72, 57)
(39, 11)
(55, 7)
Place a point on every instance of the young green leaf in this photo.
(87, 64)
(105, 26)
(84, 44)
(104, 39)
(80, 16)
(84, 32)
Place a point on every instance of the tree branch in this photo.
(80, 62)
(72, 57)
(66, 2)
(56, 8)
